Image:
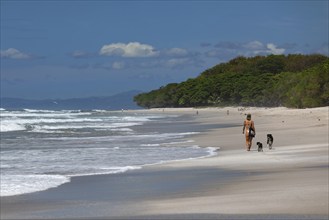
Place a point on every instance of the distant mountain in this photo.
(115, 102)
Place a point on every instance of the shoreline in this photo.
(295, 172)
(290, 181)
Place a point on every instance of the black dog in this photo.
(269, 141)
(260, 147)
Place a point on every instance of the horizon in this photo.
(68, 98)
(104, 48)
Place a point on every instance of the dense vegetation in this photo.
(296, 81)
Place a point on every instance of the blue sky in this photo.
(64, 49)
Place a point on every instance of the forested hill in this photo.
(296, 81)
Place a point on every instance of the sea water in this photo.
(41, 149)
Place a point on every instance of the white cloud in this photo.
(229, 50)
(272, 49)
(118, 65)
(13, 53)
(176, 62)
(79, 54)
(177, 52)
(132, 49)
(254, 45)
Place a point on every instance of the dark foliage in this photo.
(297, 81)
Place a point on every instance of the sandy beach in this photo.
(288, 182)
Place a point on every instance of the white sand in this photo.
(292, 178)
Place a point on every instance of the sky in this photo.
(84, 48)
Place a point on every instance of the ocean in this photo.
(42, 149)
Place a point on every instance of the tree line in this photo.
(295, 80)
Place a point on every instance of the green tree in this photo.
(296, 80)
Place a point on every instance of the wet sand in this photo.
(288, 182)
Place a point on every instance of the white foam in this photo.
(179, 142)
(38, 111)
(109, 170)
(40, 128)
(6, 126)
(78, 112)
(45, 120)
(29, 114)
(122, 129)
(99, 110)
(150, 145)
(212, 151)
(18, 124)
(21, 184)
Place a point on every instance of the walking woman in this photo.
(249, 131)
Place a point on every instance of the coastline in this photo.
(290, 181)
